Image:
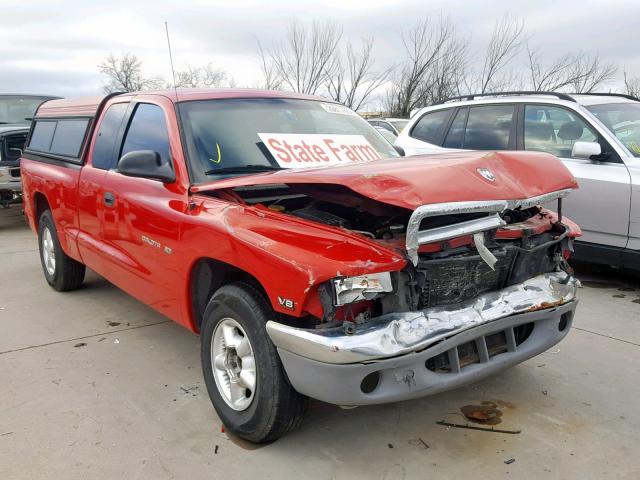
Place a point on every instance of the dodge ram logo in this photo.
(486, 173)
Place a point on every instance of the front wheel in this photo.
(61, 271)
(242, 370)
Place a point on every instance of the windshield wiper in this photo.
(242, 169)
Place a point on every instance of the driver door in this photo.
(142, 218)
(601, 205)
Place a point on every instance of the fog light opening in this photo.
(370, 382)
(564, 322)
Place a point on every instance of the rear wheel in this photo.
(61, 271)
(242, 370)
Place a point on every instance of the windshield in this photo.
(18, 109)
(240, 136)
(623, 119)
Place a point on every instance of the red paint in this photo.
(413, 181)
(288, 256)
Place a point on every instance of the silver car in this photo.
(597, 136)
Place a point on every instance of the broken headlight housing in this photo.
(363, 287)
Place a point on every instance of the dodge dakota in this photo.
(310, 259)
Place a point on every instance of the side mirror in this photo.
(146, 164)
(586, 150)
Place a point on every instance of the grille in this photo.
(456, 279)
(480, 350)
(13, 145)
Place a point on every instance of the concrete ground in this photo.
(96, 385)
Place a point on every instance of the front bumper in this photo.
(397, 352)
(8, 181)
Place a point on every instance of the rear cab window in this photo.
(104, 149)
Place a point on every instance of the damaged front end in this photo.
(410, 292)
(486, 286)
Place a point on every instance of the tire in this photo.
(272, 408)
(61, 271)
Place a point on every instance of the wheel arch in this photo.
(207, 276)
(39, 205)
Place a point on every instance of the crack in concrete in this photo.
(82, 338)
(607, 336)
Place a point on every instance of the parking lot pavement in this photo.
(96, 385)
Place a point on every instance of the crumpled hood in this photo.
(409, 182)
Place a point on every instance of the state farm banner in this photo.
(294, 150)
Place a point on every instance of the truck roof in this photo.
(89, 106)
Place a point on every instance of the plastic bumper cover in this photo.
(396, 348)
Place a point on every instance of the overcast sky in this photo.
(54, 47)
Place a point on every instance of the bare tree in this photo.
(446, 76)
(354, 79)
(505, 43)
(124, 74)
(271, 80)
(423, 45)
(306, 57)
(578, 72)
(203, 77)
(631, 85)
(589, 72)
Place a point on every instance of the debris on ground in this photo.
(390, 445)
(215, 450)
(473, 427)
(418, 442)
(102, 339)
(510, 461)
(189, 390)
(81, 344)
(544, 392)
(487, 413)
(113, 324)
(116, 341)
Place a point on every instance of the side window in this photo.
(59, 137)
(42, 135)
(69, 137)
(430, 126)
(104, 155)
(489, 127)
(455, 136)
(147, 131)
(554, 130)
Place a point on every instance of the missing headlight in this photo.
(363, 287)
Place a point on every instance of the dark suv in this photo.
(16, 113)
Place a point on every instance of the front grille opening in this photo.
(522, 332)
(468, 354)
(439, 363)
(496, 343)
(370, 382)
(564, 321)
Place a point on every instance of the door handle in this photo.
(109, 199)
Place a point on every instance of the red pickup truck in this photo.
(310, 257)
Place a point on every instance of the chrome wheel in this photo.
(234, 364)
(48, 251)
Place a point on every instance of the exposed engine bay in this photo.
(530, 241)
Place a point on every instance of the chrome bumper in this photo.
(395, 334)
